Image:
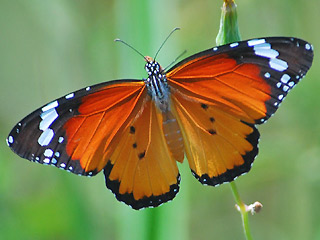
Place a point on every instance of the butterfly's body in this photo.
(205, 108)
(157, 85)
(159, 91)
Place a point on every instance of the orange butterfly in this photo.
(205, 107)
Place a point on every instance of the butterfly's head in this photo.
(152, 67)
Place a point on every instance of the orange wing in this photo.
(113, 126)
(220, 94)
(103, 116)
(235, 89)
(219, 146)
(248, 79)
(79, 131)
(141, 171)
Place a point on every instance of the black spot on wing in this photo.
(212, 132)
(204, 106)
(132, 129)
(141, 155)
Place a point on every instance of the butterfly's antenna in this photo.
(175, 29)
(174, 60)
(119, 40)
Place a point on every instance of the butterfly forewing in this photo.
(76, 132)
(249, 79)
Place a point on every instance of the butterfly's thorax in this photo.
(157, 85)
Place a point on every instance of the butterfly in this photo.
(205, 107)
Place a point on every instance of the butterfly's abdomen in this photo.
(173, 136)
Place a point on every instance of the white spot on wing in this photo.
(87, 88)
(308, 47)
(264, 50)
(285, 88)
(285, 78)
(278, 64)
(262, 46)
(280, 97)
(10, 140)
(71, 95)
(267, 75)
(60, 139)
(53, 104)
(291, 84)
(48, 118)
(46, 137)
(255, 42)
(232, 45)
(268, 53)
(48, 152)
(46, 160)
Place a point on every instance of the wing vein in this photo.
(71, 138)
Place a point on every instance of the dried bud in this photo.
(255, 207)
(252, 208)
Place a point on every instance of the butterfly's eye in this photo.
(156, 68)
(148, 67)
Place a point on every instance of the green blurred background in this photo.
(50, 48)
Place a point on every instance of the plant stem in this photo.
(242, 210)
(153, 220)
(229, 32)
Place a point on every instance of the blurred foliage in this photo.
(50, 48)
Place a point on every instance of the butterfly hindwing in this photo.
(77, 132)
(141, 171)
(218, 145)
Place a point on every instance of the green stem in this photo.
(153, 219)
(242, 210)
(229, 32)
